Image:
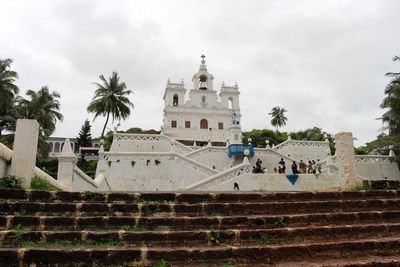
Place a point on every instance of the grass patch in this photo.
(297, 239)
(38, 183)
(280, 222)
(227, 264)
(161, 263)
(10, 182)
(362, 187)
(214, 237)
(264, 239)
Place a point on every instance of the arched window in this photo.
(175, 100)
(57, 147)
(203, 99)
(51, 146)
(203, 82)
(203, 124)
(230, 103)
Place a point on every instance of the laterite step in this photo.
(129, 238)
(181, 256)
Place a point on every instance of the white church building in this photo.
(199, 148)
(203, 117)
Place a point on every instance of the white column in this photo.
(24, 150)
(66, 164)
(346, 160)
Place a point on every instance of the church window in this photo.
(57, 147)
(230, 103)
(236, 136)
(173, 124)
(203, 99)
(187, 124)
(220, 125)
(175, 100)
(203, 124)
(51, 146)
(203, 82)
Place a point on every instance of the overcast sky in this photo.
(323, 61)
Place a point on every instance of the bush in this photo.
(49, 166)
(10, 182)
(38, 183)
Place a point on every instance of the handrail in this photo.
(40, 173)
(5, 152)
(223, 176)
(194, 162)
(277, 147)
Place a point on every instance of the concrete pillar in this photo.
(23, 161)
(345, 160)
(66, 165)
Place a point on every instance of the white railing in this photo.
(175, 85)
(300, 143)
(373, 159)
(137, 137)
(115, 156)
(178, 147)
(220, 177)
(5, 152)
(206, 149)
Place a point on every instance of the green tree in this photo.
(278, 117)
(44, 107)
(110, 97)
(7, 87)
(391, 118)
(84, 138)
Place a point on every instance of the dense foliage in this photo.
(391, 102)
(260, 136)
(7, 87)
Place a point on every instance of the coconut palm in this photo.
(278, 117)
(392, 102)
(110, 98)
(43, 106)
(7, 87)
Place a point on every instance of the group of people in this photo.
(259, 168)
(311, 167)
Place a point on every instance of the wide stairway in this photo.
(42, 228)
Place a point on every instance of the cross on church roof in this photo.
(203, 61)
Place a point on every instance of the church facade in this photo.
(204, 117)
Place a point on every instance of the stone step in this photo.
(189, 223)
(180, 256)
(127, 238)
(189, 197)
(202, 209)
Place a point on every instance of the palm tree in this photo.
(278, 117)
(7, 87)
(43, 106)
(110, 98)
(392, 102)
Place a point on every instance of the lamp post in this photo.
(249, 140)
(267, 143)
